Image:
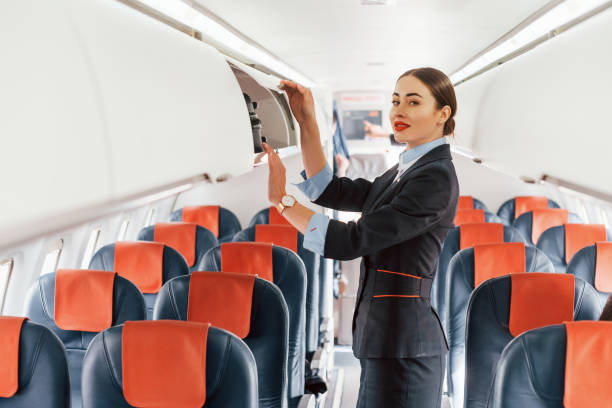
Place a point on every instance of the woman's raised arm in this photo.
(302, 106)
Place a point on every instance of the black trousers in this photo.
(401, 382)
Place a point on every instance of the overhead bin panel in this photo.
(54, 157)
(546, 111)
(173, 107)
(277, 124)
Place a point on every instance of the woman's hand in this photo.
(300, 100)
(277, 179)
(373, 130)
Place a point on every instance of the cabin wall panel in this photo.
(55, 157)
(546, 111)
(171, 102)
(247, 194)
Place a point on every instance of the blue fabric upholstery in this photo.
(479, 204)
(267, 338)
(506, 210)
(490, 217)
(231, 373)
(128, 304)
(552, 242)
(173, 265)
(229, 224)
(524, 224)
(204, 241)
(43, 370)
(311, 261)
(289, 274)
(459, 287)
(262, 217)
(487, 332)
(531, 370)
(449, 248)
(582, 266)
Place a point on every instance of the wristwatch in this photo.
(286, 201)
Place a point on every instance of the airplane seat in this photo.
(285, 236)
(502, 308)
(148, 265)
(76, 304)
(533, 223)
(189, 239)
(271, 216)
(511, 209)
(593, 264)
(565, 365)
(286, 270)
(268, 215)
(468, 269)
(219, 220)
(223, 373)
(252, 308)
(34, 370)
(561, 243)
(467, 202)
(461, 237)
(465, 216)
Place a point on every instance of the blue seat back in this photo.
(289, 274)
(532, 369)
(506, 210)
(173, 265)
(231, 372)
(311, 262)
(450, 247)
(267, 339)
(460, 286)
(524, 224)
(204, 241)
(43, 370)
(487, 333)
(128, 304)
(582, 266)
(229, 224)
(552, 243)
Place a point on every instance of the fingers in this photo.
(267, 147)
(290, 86)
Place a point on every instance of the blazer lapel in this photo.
(380, 187)
(439, 153)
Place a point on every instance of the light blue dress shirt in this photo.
(314, 239)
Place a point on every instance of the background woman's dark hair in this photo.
(441, 88)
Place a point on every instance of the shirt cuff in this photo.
(314, 186)
(314, 239)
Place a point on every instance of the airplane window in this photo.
(91, 247)
(123, 230)
(150, 217)
(604, 217)
(52, 259)
(583, 211)
(6, 268)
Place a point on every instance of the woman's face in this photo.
(415, 117)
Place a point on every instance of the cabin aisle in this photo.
(345, 360)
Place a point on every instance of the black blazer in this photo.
(399, 236)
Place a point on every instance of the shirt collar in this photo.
(408, 157)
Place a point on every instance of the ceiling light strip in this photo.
(551, 20)
(220, 34)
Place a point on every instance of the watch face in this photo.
(288, 201)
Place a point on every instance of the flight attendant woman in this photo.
(406, 214)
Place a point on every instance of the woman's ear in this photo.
(445, 113)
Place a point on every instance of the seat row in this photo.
(484, 301)
(175, 250)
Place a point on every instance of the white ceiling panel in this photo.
(345, 45)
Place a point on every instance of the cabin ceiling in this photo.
(346, 46)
